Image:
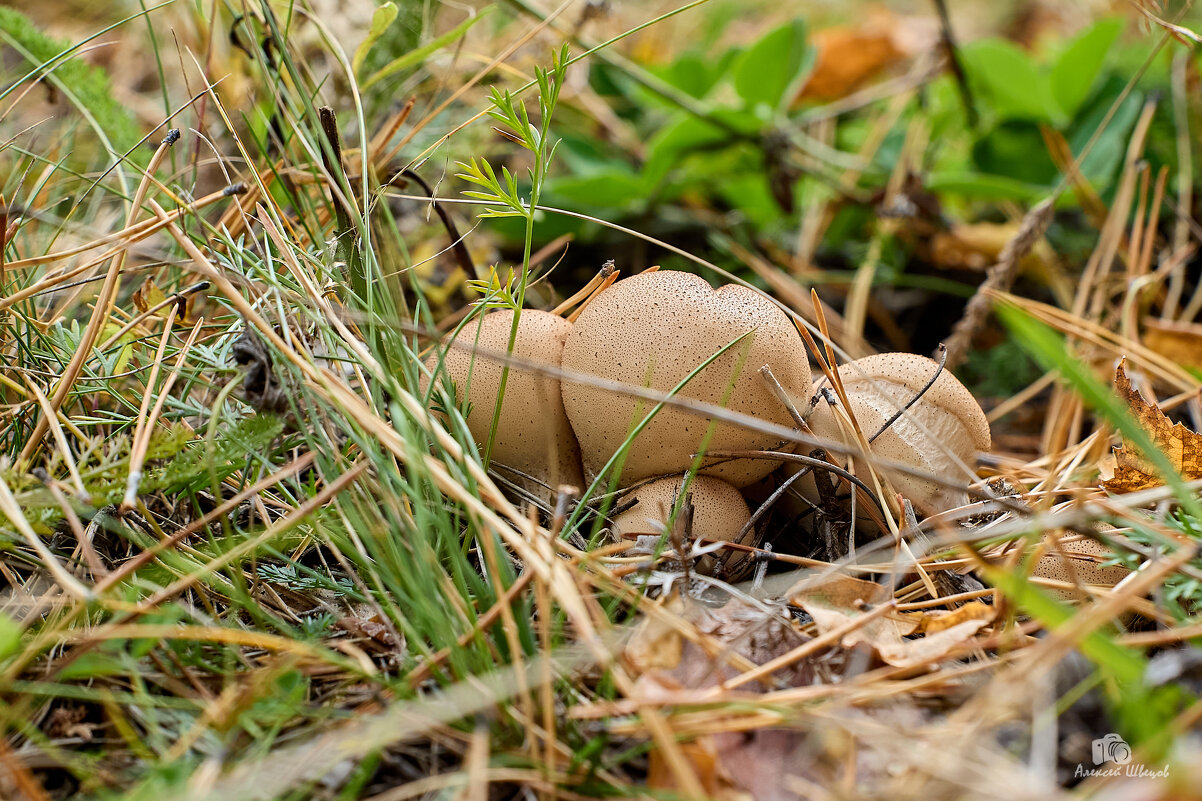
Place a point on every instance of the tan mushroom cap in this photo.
(719, 513)
(533, 434)
(1077, 562)
(913, 372)
(946, 419)
(652, 330)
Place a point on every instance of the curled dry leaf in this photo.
(842, 600)
(366, 623)
(1130, 471)
(731, 634)
(149, 296)
(260, 386)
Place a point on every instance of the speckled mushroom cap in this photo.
(719, 513)
(533, 434)
(946, 418)
(1077, 562)
(652, 330)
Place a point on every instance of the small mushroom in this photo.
(533, 435)
(652, 330)
(719, 513)
(943, 429)
(1077, 562)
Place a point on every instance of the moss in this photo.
(87, 86)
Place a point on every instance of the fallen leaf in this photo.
(731, 766)
(702, 757)
(1179, 342)
(936, 621)
(659, 650)
(933, 646)
(655, 645)
(148, 296)
(844, 599)
(369, 627)
(1130, 471)
(977, 246)
(847, 58)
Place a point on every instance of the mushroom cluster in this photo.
(674, 334)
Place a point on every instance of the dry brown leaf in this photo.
(1179, 342)
(702, 757)
(847, 58)
(844, 599)
(732, 765)
(978, 246)
(941, 620)
(664, 659)
(1131, 471)
(655, 645)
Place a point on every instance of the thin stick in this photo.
(806, 460)
(948, 40)
(781, 395)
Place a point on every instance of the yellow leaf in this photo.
(1176, 341)
(1132, 472)
(148, 296)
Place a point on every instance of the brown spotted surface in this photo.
(533, 434)
(652, 330)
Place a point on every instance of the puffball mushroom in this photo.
(719, 513)
(1077, 563)
(533, 434)
(945, 425)
(652, 330)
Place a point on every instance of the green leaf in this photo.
(1008, 79)
(381, 19)
(675, 139)
(617, 189)
(982, 186)
(1015, 149)
(695, 74)
(415, 57)
(10, 636)
(1076, 71)
(93, 665)
(771, 66)
(1103, 161)
(86, 86)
